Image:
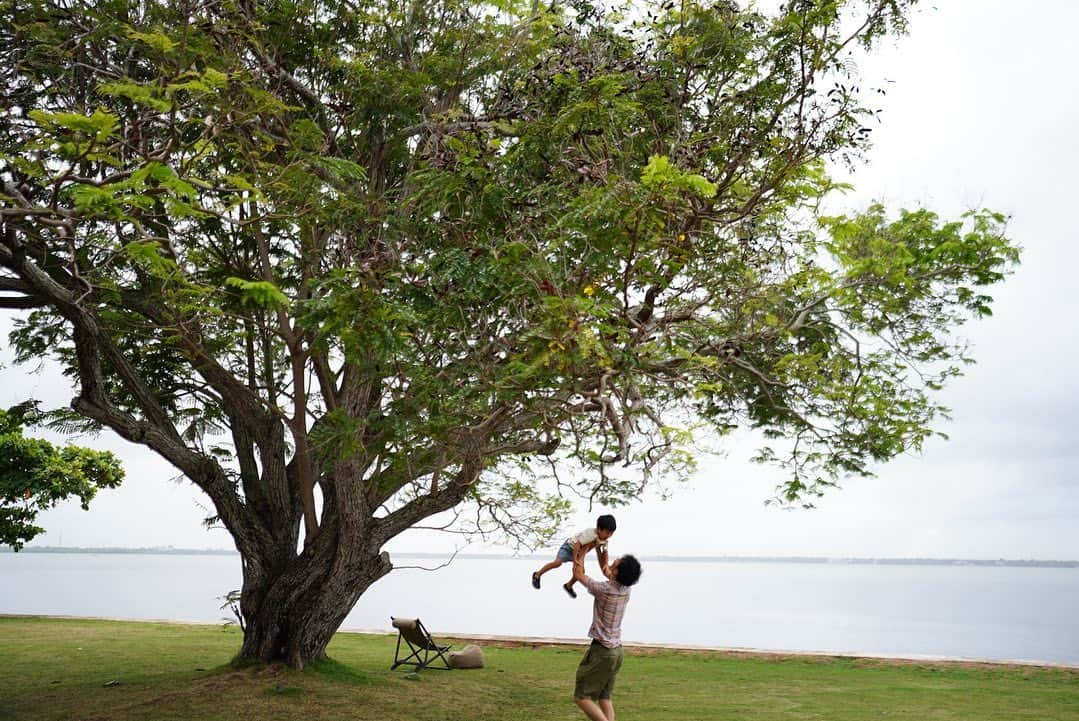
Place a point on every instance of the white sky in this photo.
(982, 111)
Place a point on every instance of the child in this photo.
(576, 547)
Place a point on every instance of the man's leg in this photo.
(605, 703)
(590, 708)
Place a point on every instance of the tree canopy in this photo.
(415, 253)
(35, 475)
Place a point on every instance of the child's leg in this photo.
(568, 585)
(565, 555)
(550, 566)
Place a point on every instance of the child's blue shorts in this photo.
(565, 552)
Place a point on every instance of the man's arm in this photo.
(578, 572)
(601, 554)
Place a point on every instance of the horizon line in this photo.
(149, 550)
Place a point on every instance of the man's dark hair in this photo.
(628, 571)
(606, 523)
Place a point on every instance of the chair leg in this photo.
(407, 660)
(397, 654)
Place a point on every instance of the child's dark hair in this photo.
(628, 571)
(606, 523)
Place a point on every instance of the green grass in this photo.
(58, 668)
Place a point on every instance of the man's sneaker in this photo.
(569, 589)
(535, 580)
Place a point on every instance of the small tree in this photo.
(35, 475)
(418, 254)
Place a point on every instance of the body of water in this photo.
(983, 612)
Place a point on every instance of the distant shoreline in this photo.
(1000, 562)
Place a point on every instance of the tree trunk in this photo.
(291, 613)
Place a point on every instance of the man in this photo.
(600, 665)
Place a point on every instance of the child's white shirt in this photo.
(587, 536)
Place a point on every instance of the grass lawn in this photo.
(59, 668)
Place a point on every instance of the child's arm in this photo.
(580, 550)
(578, 553)
(601, 555)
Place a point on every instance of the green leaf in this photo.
(260, 293)
(148, 255)
(142, 95)
(345, 169)
(156, 39)
(100, 125)
(659, 175)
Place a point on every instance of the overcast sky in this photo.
(982, 110)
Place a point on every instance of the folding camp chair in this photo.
(424, 649)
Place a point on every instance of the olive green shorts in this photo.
(595, 675)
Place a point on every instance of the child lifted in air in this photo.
(575, 548)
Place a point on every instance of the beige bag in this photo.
(471, 656)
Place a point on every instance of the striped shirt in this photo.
(607, 611)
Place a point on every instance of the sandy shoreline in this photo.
(650, 648)
(640, 647)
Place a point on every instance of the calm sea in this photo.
(984, 612)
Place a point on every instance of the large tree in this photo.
(348, 265)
